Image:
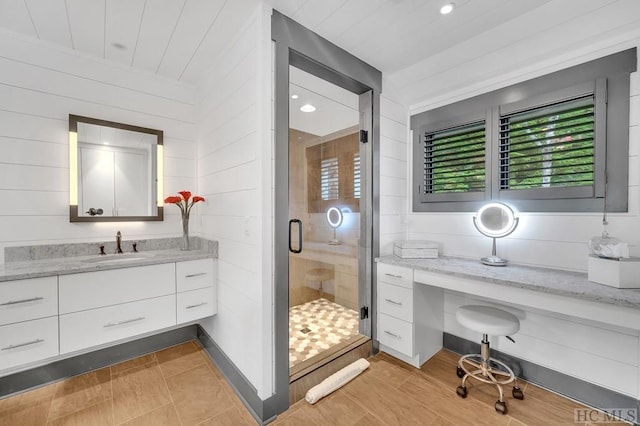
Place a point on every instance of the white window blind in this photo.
(329, 179)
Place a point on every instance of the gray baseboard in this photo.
(80, 364)
(563, 384)
(264, 411)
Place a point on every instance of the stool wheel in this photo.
(460, 372)
(462, 391)
(501, 407)
(517, 393)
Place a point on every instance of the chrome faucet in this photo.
(118, 242)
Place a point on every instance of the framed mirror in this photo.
(115, 171)
(495, 220)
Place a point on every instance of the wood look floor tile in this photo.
(138, 391)
(26, 413)
(81, 392)
(391, 373)
(386, 403)
(230, 417)
(133, 363)
(163, 416)
(338, 409)
(369, 420)
(198, 395)
(464, 411)
(180, 358)
(97, 415)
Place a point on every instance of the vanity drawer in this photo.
(395, 275)
(194, 274)
(195, 304)
(23, 300)
(395, 301)
(395, 334)
(84, 329)
(89, 290)
(28, 341)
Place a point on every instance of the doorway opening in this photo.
(325, 195)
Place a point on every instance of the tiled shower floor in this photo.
(318, 325)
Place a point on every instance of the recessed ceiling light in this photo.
(307, 108)
(294, 96)
(446, 9)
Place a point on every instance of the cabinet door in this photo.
(88, 290)
(195, 304)
(80, 330)
(28, 341)
(194, 274)
(23, 300)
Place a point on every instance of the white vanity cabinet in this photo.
(410, 318)
(28, 321)
(104, 306)
(195, 286)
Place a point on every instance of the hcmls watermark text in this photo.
(621, 415)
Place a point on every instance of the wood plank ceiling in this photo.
(408, 40)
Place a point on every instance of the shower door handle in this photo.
(299, 222)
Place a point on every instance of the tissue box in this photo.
(623, 273)
(416, 249)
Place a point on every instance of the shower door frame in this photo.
(296, 45)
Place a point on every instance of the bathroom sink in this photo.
(117, 258)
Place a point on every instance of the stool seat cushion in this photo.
(488, 320)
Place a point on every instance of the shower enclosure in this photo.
(327, 160)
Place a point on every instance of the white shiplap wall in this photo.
(234, 158)
(393, 168)
(40, 85)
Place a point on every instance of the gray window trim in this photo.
(609, 74)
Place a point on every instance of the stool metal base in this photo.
(488, 370)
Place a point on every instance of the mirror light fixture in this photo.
(335, 219)
(495, 220)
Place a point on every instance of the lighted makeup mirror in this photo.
(495, 220)
(335, 218)
(115, 171)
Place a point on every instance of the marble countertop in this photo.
(72, 265)
(563, 283)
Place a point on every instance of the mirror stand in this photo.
(494, 260)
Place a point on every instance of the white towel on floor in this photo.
(336, 380)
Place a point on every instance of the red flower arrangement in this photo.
(185, 203)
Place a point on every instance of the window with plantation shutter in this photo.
(549, 147)
(454, 160)
(329, 179)
(554, 143)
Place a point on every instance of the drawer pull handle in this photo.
(393, 334)
(199, 274)
(393, 302)
(393, 275)
(15, 302)
(197, 305)
(19, 345)
(113, 324)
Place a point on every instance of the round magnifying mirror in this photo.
(335, 218)
(495, 220)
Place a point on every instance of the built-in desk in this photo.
(568, 324)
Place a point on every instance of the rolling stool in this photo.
(487, 320)
(320, 275)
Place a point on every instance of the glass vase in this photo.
(185, 232)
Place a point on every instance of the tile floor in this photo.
(175, 386)
(179, 386)
(318, 325)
